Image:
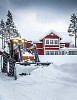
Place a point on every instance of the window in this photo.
(52, 52)
(47, 41)
(47, 52)
(56, 52)
(51, 41)
(55, 41)
(63, 52)
(72, 52)
(62, 45)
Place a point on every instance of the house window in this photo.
(52, 52)
(72, 52)
(51, 41)
(62, 45)
(63, 52)
(56, 53)
(47, 52)
(47, 41)
(55, 41)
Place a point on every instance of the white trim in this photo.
(39, 48)
(37, 42)
(52, 47)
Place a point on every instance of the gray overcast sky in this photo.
(34, 17)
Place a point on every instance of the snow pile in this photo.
(44, 83)
(58, 59)
(46, 73)
(52, 83)
(69, 68)
(24, 69)
(27, 54)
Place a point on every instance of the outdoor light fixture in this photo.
(19, 41)
(15, 40)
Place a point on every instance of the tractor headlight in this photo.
(15, 40)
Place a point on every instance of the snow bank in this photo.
(52, 83)
(44, 83)
(69, 68)
(24, 69)
(59, 59)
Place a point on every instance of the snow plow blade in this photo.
(35, 63)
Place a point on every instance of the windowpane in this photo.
(47, 52)
(51, 41)
(47, 41)
(51, 52)
(62, 45)
(62, 52)
(56, 52)
(72, 52)
(55, 41)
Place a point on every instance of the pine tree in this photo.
(73, 27)
(2, 32)
(10, 27)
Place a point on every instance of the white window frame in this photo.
(51, 50)
(48, 40)
(53, 41)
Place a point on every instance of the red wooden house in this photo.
(51, 43)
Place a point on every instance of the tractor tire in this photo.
(15, 73)
(4, 59)
(1, 63)
(11, 70)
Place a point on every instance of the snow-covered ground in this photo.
(58, 59)
(55, 82)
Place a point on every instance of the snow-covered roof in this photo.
(64, 36)
(39, 36)
(47, 33)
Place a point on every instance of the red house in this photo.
(51, 43)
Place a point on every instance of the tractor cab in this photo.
(18, 51)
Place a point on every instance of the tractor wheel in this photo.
(1, 63)
(8, 67)
(4, 59)
(11, 67)
(15, 74)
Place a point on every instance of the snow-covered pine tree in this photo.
(2, 32)
(11, 30)
(72, 29)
